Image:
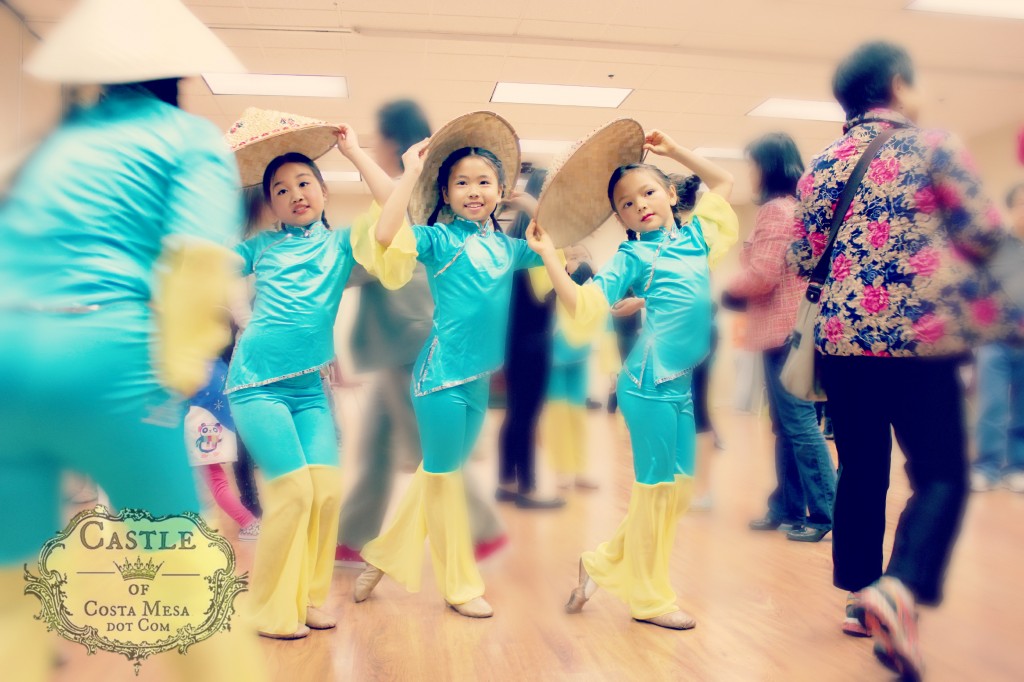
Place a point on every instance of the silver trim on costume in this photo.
(454, 258)
(280, 378)
(457, 382)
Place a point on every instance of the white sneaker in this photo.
(1015, 481)
(250, 532)
(980, 483)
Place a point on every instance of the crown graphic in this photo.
(138, 570)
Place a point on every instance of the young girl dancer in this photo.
(470, 267)
(277, 399)
(668, 267)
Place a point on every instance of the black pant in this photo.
(922, 401)
(526, 380)
(246, 480)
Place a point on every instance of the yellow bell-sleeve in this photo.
(194, 278)
(392, 265)
(583, 327)
(540, 280)
(720, 224)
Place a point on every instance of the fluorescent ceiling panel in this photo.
(802, 109)
(543, 146)
(276, 84)
(1003, 9)
(559, 95)
(342, 176)
(720, 153)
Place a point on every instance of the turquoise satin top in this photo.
(300, 275)
(668, 268)
(86, 219)
(469, 269)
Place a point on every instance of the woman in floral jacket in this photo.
(899, 310)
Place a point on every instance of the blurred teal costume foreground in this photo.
(80, 237)
(469, 267)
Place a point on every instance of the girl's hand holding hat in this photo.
(348, 141)
(412, 159)
(659, 143)
(540, 241)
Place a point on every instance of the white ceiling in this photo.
(696, 68)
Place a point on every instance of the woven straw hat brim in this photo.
(124, 41)
(574, 200)
(483, 129)
(261, 135)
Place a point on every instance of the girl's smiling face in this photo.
(473, 190)
(296, 196)
(642, 202)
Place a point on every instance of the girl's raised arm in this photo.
(718, 180)
(376, 179)
(565, 288)
(392, 215)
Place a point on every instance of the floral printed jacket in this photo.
(904, 280)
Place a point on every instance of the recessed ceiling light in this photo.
(559, 95)
(805, 110)
(276, 84)
(1004, 9)
(342, 176)
(720, 153)
(543, 146)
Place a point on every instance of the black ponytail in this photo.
(686, 189)
(293, 157)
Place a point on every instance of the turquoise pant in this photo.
(79, 392)
(661, 427)
(568, 383)
(449, 422)
(286, 425)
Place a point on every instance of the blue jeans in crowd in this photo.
(806, 490)
(1000, 431)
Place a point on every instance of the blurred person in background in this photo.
(898, 312)
(565, 412)
(528, 357)
(1000, 367)
(113, 268)
(391, 327)
(806, 478)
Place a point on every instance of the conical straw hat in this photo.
(483, 129)
(261, 135)
(124, 41)
(574, 200)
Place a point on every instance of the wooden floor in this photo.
(765, 606)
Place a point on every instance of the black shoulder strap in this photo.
(820, 272)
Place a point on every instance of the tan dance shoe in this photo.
(303, 631)
(474, 608)
(365, 583)
(319, 619)
(583, 592)
(677, 620)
